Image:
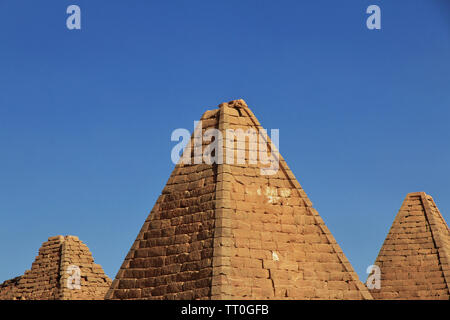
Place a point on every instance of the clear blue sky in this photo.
(86, 116)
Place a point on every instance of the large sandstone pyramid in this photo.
(53, 274)
(230, 231)
(415, 256)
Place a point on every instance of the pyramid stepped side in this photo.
(47, 278)
(273, 244)
(414, 258)
(171, 257)
(227, 232)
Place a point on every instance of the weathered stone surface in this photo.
(9, 289)
(414, 258)
(225, 231)
(48, 277)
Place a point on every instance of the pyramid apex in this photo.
(418, 193)
(239, 103)
(58, 237)
(70, 237)
(62, 238)
(421, 194)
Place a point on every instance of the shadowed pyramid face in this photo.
(229, 231)
(414, 258)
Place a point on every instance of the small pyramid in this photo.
(414, 259)
(232, 231)
(53, 273)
